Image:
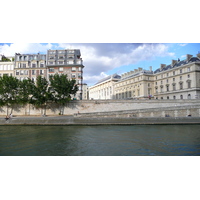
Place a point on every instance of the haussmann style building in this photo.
(68, 62)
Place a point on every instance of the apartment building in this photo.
(68, 62)
(6, 65)
(30, 66)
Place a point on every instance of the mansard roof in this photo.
(136, 74)
(115, 76)
(178, 64)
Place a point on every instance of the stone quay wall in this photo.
(116, 108)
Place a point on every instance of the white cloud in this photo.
(98, 58)
(182, 45)
(10, 50)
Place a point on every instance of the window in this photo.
(60, 69)
(180, 71)
(61, 57)
(51, 57)
(181, 86)
(189, 96)
(173, 72)
(73, 69)
(41, 65)
(17, 72)
(33, 72)
(79, 69)
(73, 75)
(22, 72)
(173, 79)
(24, 65)
(41, 72)
(174, 97)
(174, 86)
(181, 96)
(78, 61)
(188, 75)
(167, 87)
(51, 69)
(33, 65)
(70, 62)
(79, 75)
(188, 69)
(189, 84)
(180, 77)
(60, 62)
(51, 63)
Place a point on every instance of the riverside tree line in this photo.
(22, 92)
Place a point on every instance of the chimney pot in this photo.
(162, 66)
(188, 56)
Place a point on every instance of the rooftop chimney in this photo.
(188, 56)
(198, 55)
(150, 68)
(162, 66)
(174, 62)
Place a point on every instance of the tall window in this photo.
(174, 86)
(33, 65)
(51, 69)
(189, 84)
(181, 86)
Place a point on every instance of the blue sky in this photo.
(102, 59)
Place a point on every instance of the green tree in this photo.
(62, 88)
(41, 94)
(26, 89)
(9, 91)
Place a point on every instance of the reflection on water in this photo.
(135, 140)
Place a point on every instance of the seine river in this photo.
(134, 140)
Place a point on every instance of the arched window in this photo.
(189, 96)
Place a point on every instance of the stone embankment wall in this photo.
(116, 108)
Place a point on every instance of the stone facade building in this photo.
(179, 80)
(104, 89)
(6, 67)
(30, 66)
(68, 62)
(135, 84)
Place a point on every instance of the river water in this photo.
(108, 140)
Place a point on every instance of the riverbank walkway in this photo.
(71, 120)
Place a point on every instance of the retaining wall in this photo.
(128, 108)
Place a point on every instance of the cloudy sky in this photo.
(102, 59)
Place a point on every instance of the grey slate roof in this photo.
(178, 64)
(108, 77)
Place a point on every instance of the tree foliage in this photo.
(14, 91)
(9, 91)
(62, 88)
